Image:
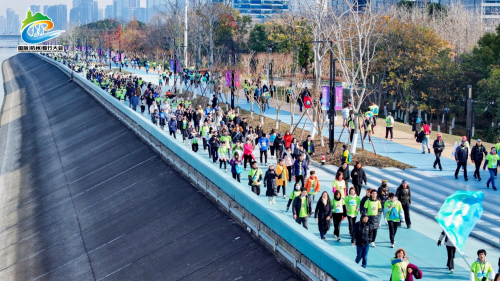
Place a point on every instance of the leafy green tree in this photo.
(258, 40)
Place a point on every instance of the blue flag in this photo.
(459, 214)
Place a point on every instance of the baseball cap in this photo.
(478, 140)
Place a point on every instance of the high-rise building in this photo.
(140, 14)
(101, 14)
(35, 8)
(13, 24)
(153, 6)
(108, 12)
(123, 9)
(45, 9)
(260, 9)
(95, 11)
(59, 16)
(3, 25)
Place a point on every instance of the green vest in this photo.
(492, 161)
(352, 205)
(372, 207)
(399, 270)
(223, 151)
(388, 121)
(389, 205)
(294, 194)
(337, 205)
(481, 270)
(204, 130)
(303, 207)
(184, 124)
(255, 174)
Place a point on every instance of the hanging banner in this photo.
(172, 65)
(338, 97)
(178, 67)
(228, 78)
(237, 82)
(325, 97)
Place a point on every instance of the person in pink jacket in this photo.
(247, 153)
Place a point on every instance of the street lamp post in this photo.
(469, 112)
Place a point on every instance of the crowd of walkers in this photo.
(230, 141)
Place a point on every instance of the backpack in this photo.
(238, 168)
(394, 215)
(375, 110)
(419, 120)
(420, 137)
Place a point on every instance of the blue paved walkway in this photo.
(419, 242)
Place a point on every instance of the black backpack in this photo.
(420, 136)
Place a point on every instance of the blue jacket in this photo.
(263, 144)
(172, 125)
(296, 168)
(134, 100)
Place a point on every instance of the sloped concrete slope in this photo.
(82, 198)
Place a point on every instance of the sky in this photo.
(21, 6)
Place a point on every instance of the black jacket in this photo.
(403, 194)
(362, 233)
(476, 153)
(296, 205)
(358, 176)
(462, 153)
(362, 209)
(306, 146)
(345, 172)
(237, 120)
(279, 143)
(438, 144)
(321, 213)
(383, 195)
(270, 182)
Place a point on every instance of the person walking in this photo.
(344, 169)
(478, 152)
(279, 146)
(383, 196)
(247, 153)
(236, 166)
(172, 126)
(282, 181)
(389, 125)
(373, 206)
(461, 155)
(339, 211)
(425, 141)
(400, 265)
(295, 192)
(323, 214)
(339, 184)
(450, 249)
(393, 217)
(309, 146)
(302, 208)
(352, 203)
(299, 169)
(312, 185)
(270, 182)
(492, 163)
(254, 178)
(362, 235)
(358, 176)
(263, 147)
(288, 157)
(223, 156)
(403, 194)
(438, 147)
(481, 269)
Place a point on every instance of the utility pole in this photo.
(186, 34)
(331, 109)
(469, 112)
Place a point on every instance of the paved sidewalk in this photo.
(419, 242)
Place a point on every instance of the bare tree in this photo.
(355, 36)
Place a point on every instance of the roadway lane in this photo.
(82, 198)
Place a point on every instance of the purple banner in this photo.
(338, 97)
(237, 82)
(178, 66)
(228, 78)
(325, 97)
(172, 65)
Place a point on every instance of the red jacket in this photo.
(288, 140)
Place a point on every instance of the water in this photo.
(4, 54)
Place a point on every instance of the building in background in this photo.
(95, 11)
(140, 14)
(3, 25)
(45, 9)
(13, 23)
(153, 6)
(59, 16)
(101, 14)
(83, 12)
(260, 9)
(35, 8)
(108, 12)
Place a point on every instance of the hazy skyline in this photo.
(22, 6)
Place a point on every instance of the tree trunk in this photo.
(356, 134)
